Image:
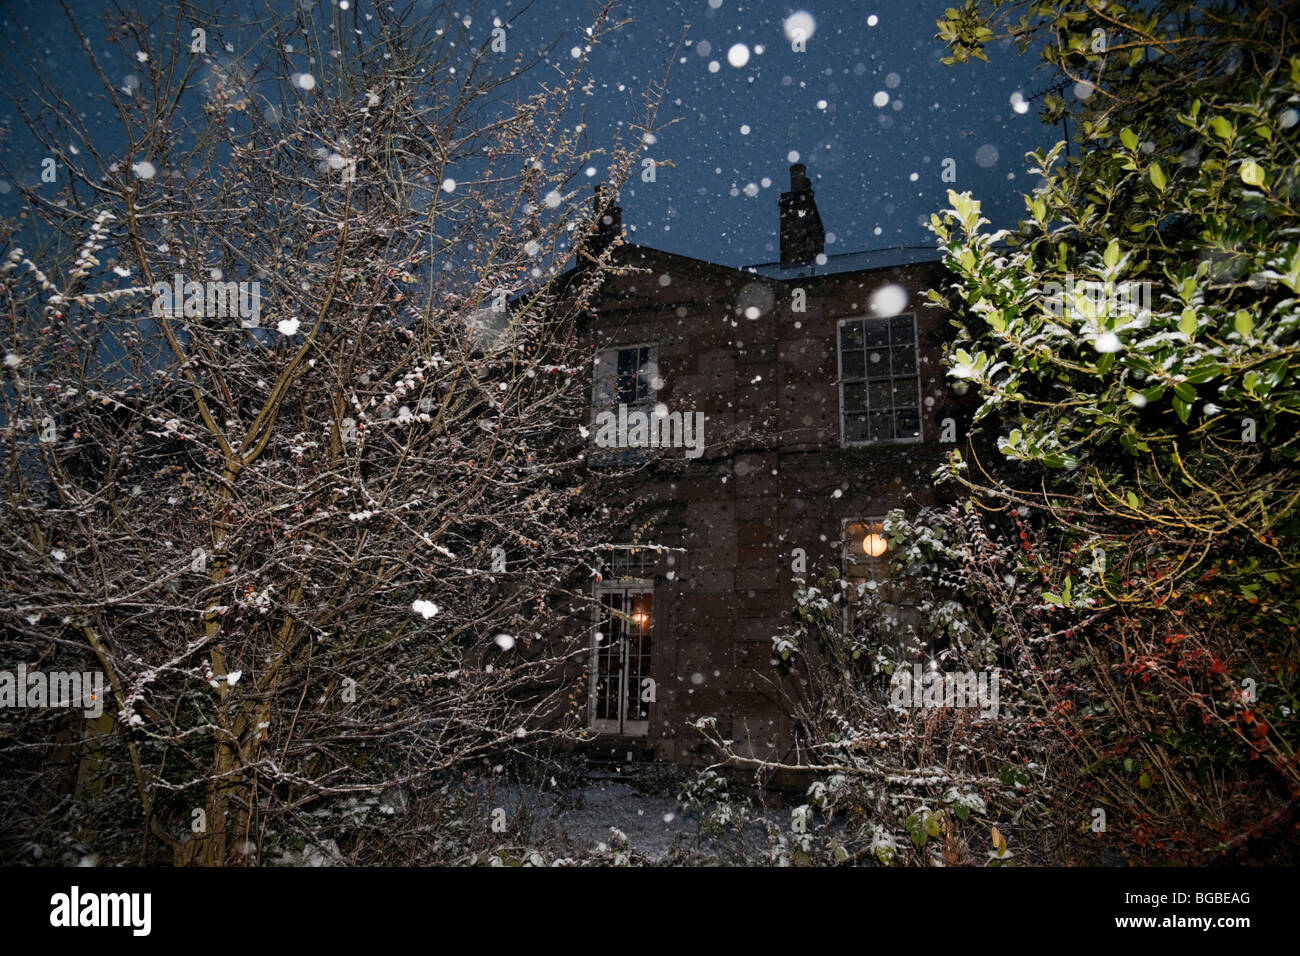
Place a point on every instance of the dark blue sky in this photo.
(876, 168)
(868, 107)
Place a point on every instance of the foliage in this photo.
(305, 549)
(901, 783)
(1155, 436)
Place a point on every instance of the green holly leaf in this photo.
(1128, 138)
(1243, 323)
(1187, 323)
(1252, 174)
(1157, 176)
(1111, 256)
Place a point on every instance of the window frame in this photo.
(617, 456)
(840, 382)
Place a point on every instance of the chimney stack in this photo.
(802, 236)
(609, 220)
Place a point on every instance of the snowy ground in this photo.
(654, 824)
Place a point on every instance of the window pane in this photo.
(853, 367)
(904, 393)
(608, 654)
(876, 334)
(879, 395)
(901, 330)
(877, 364)
(638, 655)
(627, 376)
(904, 358)
(851, 335)
(908, 423)
(855, 396)
(880, 426)
(643, 374)
(604, 385)
(855, 427)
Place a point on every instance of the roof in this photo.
(850, 262)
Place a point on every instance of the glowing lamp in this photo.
(874, 544)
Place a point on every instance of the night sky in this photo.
(876, 169)
(868, 107)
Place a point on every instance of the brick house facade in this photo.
(825, 405)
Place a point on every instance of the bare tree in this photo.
(290, 423)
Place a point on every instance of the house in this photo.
(823, 404)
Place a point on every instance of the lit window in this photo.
(876, 603)
(866, 551)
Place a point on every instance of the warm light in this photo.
(875, 545)
(641, 618)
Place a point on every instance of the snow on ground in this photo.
(654, 824)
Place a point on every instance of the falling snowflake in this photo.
(799, 26)
(1107, 342)
(425, 609)
(889, 300)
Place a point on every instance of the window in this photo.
(625, 376)
(630, 561)
(876, 605)
(880, 385)
(621, 687)
(866, 556)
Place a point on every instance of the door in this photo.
(622, 689)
